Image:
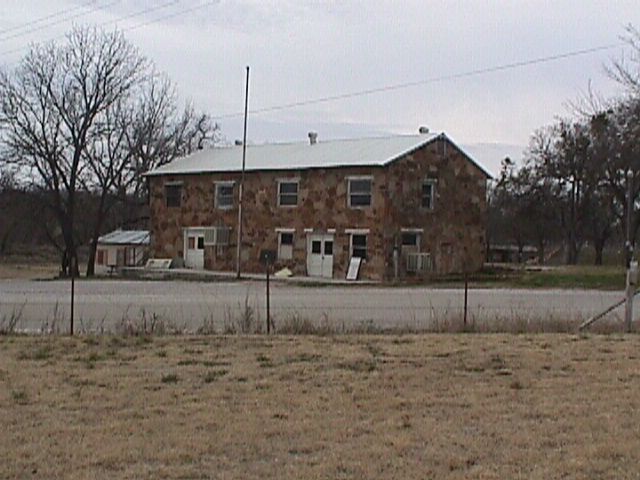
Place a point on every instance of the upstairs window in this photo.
(173, 194)
(224, 195)
(287, 193)
(428, 193)
(359, 194)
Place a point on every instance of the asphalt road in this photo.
(108, 304)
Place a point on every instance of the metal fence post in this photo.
(73, 263)
(466, 298)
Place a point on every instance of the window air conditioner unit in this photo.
(216, 236)
(418, 262)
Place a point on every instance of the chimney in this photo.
(313, 138)
(423, 130)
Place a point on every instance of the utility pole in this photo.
(241, 187)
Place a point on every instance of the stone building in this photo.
(407, 206)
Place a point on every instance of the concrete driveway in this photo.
(107, 304)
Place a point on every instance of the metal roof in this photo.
(125, 237)
(376, 151)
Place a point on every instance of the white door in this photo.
(194, 249)
(320, 256)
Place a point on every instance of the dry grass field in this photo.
(29, 264)
(25, 270)
(256, 407)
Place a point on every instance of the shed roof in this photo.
(375, 151)
(125, 237)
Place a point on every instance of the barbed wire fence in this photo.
(190, 307)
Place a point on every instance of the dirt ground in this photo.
(411, 406)
(24, 270)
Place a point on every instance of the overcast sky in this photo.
(304, 50)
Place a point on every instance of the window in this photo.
(285, 246)
(359, 246)
(359, 194)
(328, 247)
(288, 193)
(410, 239)
(428, 192)
(224, 195)
(173, 194)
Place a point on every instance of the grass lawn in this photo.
(589, 277)
(566, 276)
(606, 277)
(256, 407)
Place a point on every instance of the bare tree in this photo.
(49, 107)
(158, 132)
(91, 116)
(626, 69)
(107, 158)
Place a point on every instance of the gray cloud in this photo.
(301, 50)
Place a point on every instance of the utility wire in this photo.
(140, 13)
(120, 19)
(400, 86)
(342, 96)
(45, 18)
(57, 22)
(172, 15)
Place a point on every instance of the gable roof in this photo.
(370, 152)
(125, 237)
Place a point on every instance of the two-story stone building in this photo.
(411, 205)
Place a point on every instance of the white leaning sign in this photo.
(354, 268)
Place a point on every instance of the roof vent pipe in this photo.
(313, 138)
(423, 130)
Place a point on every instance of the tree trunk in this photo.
(541, 252)
(573, 252)
(4, 243)
(103, 208)
(70, 254)
(91, 268)
(598, 249)
(599, 242)
(64, 263)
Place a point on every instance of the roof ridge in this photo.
(335, 140)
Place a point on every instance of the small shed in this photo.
(122, 248)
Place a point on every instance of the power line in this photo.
(400, 86)
(47, 17)
(57, 22)
(140, 13)
(172, 15)
(120, 19)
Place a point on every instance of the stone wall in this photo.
(454, 231)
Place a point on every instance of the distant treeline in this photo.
(580, 182)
